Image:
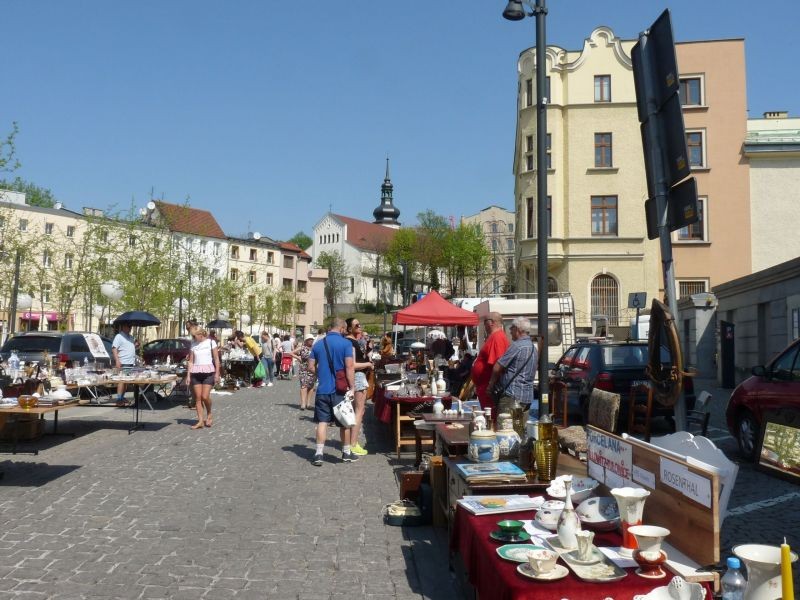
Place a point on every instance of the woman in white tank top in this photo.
(202, 374)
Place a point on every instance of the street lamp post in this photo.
(12, 310)
(515, 12)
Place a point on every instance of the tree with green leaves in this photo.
(8, 151)
(338, 275)
(302, 240)
(402, 259)
(34, 195)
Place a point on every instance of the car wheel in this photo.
(747, 430)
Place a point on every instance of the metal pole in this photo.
(658, 160)
(12, 320)
(540, 12)
(180, 307)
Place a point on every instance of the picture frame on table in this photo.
(779, 444)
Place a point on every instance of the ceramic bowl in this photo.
(510, 527)
(600, 514)
(548, 518)
(542, 561)
(27, 401)
(556, 505)
(582, 488)
(677, 588)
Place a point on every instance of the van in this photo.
(560, 320)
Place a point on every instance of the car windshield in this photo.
(625, 356)
(33, 343)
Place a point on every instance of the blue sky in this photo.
(268, 113)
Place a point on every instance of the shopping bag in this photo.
(344, 413)
(260, 372)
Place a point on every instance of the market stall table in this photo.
(16, 412)
(141, 386)
(391, 408)
(497, 579)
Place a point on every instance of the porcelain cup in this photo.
(542, 561)
(585, 539)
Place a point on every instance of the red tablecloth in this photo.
(384, 402)
(497, 579)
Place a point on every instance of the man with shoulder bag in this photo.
(331, 360)
(513, 374)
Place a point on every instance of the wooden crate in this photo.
(27, 428)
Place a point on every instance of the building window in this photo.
(251, 277)
(270, 258)
(352, 285)
(23, 224)
(287, 284)
(604, 215)
(605, 298)
(203, 247)
(477, 287)
(48, 229)
(216, 248)
(548, 147)
(235, 252)
(494, 245)
(602, 150)
(288, 262)
(104, 235)
(529, 92)
(269, 278)
(795, 317)
(253, 254)
(530, 213)
(46, 290)
(552, 285)
(529, 143)
(602, 88)
(510, 228)
(687, 288)
(70, 231)
(510, 245)
(374, 283)
(493, 227)
(691, 91)
(301, 308)
(495, 287)
(695, 144)
(234, 274)
(696, 232)
(68, 259)
(494, 265)
(529, 162)
(302, 286)
(47, 259)
(510, 263)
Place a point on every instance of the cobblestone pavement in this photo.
(235, 511)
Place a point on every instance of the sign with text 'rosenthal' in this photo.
(610, 460)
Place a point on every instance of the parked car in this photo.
(613, 366)
(65, 346)
(403, 347)
(157, 351)
(771, 387)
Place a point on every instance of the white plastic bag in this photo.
(344, 412)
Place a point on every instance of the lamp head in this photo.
(514, 11)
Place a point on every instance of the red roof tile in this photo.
(366, 235)
(185, 219)
(292, 247)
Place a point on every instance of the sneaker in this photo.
(349, 457)
(270, 384)
(358, 450)
(317, 462)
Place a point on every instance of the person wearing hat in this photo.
(307, 378)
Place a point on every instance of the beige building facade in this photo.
(772, 148)
(498, 225)
(597, 244)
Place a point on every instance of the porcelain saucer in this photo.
(595, 557)
(517, 552)
(558, 572)
(502, 536)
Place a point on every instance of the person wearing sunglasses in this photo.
(362, 367)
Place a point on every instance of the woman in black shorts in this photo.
(202, 374)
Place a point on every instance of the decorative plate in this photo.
(502, 536)
(600, 513)
(517, 552)
(558, 572)
(677, 589)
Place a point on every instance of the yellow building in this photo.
(597, 246)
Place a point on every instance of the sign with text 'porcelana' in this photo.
(610, 459)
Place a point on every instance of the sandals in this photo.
(209, 422)
(198, 425)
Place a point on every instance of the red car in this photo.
(771, 387)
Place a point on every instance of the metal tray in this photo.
(604, 571)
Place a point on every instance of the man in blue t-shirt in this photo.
(340, 351)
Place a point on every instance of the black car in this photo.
(69, 347)
(157, 351)
(611, 366)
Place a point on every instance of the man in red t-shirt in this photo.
(493, 348)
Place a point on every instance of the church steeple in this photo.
(386, 213)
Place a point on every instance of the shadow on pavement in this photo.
(31, 474)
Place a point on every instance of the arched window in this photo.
(605, 298)
(552, 285)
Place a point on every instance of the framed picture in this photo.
(779, 453)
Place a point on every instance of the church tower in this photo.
(386, 213)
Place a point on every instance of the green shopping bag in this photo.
(260, 372)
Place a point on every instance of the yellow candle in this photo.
(786, 572)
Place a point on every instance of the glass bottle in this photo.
(546, 450)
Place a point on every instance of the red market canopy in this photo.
(434, 310)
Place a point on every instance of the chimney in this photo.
(776, 114)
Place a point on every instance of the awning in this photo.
(29, 316)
